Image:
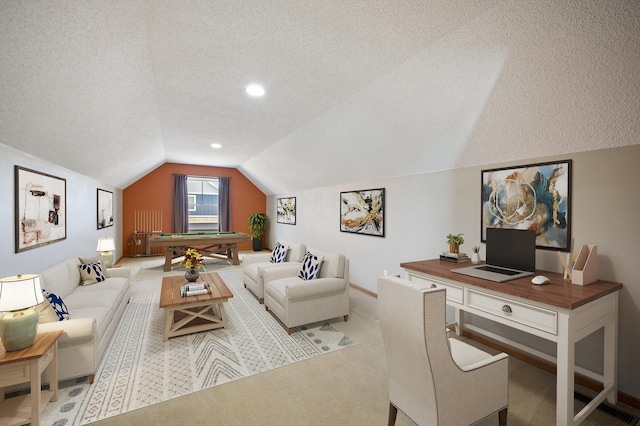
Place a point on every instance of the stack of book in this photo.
(194, 289)
(454, 257)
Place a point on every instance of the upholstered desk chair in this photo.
(435, 380)
(255, 264)
(296, 301)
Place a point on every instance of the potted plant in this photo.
(455, 241)
(257, 225)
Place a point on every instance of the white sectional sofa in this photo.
(94, 313)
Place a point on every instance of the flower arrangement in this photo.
(192, 259)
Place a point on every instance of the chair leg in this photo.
(289, 331)
(502, 417)
(346, 318)
(393, 413)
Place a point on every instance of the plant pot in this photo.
(191, 275)
(454, 248)
(257, 244)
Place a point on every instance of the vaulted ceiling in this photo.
(355, 90)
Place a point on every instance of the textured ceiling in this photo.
(356, 90)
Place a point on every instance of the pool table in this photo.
(220, 245)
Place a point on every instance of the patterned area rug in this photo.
(139, 369)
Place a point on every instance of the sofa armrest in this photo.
(74, 329)
(314, 288)
(285, 271)
(255, 258)
(119, 272)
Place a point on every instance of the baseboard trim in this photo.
(546, 366)
(364, 290)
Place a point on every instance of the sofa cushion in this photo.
(57, 304)
(333, 264)
(107, 293)
(311, 265)
(56, 279)
(91, 273)
(279, 254)
(46, 313)
(103, 316)
(296, 250)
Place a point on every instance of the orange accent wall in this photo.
(155, 192)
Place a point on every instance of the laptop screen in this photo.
(511, 248)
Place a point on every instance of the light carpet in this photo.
(139, 369)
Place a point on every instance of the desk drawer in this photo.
(455, 293)
(522, 313)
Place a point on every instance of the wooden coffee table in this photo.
(192, 314)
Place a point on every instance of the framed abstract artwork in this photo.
(105, 208)
(362, 212)
(286, 210)
(40, 209)
(533, 196)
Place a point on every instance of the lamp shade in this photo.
(105, 244)
(20, 292)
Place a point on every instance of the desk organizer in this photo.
(585, 270)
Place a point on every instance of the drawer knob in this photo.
(433, 286)
(506, 309)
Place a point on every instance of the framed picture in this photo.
(40, 209)
(362, 212)
(534, 196)
(286, 210)
(105, 208)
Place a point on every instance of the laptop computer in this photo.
(511, 254)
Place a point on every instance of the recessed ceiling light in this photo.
(216, 145)
(255, 90)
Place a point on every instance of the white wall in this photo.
(82, 232)
(421, 210)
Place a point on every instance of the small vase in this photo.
(192, 275)
(475, 258)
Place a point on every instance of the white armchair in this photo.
(296, 301)
(434, 379)
(254, 266)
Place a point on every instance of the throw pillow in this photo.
(311, 265)
(279, 253)
(57, 304)
(91, 273)
(46, 313)
(89, 260)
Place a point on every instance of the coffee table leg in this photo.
(168, 323)
(223, 317)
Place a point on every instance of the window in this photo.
(203, 203)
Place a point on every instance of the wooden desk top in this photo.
(558, 292)
(40, 346)
(170, 293)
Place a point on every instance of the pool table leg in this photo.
(234, 254)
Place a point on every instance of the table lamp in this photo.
(19, 324)
(106, 247)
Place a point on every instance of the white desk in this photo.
(561, 312)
